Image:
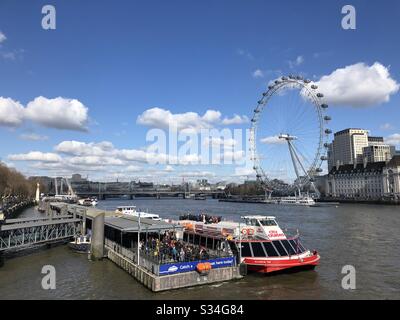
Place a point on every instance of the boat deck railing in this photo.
(151, 259)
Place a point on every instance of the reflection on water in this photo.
(365, 236)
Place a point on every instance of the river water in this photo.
(364, 236)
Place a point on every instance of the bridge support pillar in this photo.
(83, 230)
(97, 245)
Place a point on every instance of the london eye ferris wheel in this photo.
(289, 135)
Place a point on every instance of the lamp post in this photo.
(138, 240)
(240, 245)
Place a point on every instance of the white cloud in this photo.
(272, 140)
(169, 168)
(298, 61)
(393, 139)
(60, 113)
(33, 137)
(133, 168)
(386, 126)
(232, 156)
(78, 148)
(2, 37)
(236, 119)
(217, 141)
(95, 160)
(245, 53)
(197, 174)
(11, 112)
(258, 74)
(161, 118)
(244, 171)
(358, 85)
(35, 156)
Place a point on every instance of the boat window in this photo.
(297, 245)
(268, 222)
(258, 249)
(278, 245)
(246, 252)
(301, 247)
(203, 241)
(252, 222)
(271, 252)
(196, 239)
(210, 242)
(288, 247)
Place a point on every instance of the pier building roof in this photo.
(131, 224)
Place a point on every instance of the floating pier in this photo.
(116, 237)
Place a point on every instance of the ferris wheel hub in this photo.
(287, 137)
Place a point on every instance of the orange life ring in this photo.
(248, 231)
(203, 267)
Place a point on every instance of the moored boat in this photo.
(131, 211)
(259, 243)
(80, 244)
(88, 202)
(297, 201)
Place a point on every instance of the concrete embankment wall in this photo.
(13, 211)
(175, 281)
(363, 201)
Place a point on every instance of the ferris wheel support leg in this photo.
(292, 155)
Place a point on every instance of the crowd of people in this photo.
(168, 248)
(201, 218)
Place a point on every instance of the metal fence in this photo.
(151, 259)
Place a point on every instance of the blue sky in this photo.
(121, 58)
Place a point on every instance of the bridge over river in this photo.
(149, 193)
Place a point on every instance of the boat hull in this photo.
(79, 247)
(274, 265)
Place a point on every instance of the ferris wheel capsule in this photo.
(320, 95)
(314, 86)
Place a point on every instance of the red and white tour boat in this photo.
(259, 242)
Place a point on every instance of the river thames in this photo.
(364, 236)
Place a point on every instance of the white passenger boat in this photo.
(131, 211)
(259, 242)
(297, 201)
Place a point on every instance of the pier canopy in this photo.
(131, 224)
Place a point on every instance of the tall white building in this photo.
(354, 146)
(347, 147)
